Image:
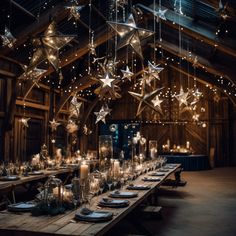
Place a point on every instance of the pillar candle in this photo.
(116, 168)
(84, 170)
(187, 144)
(168, 143)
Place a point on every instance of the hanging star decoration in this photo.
(54, 124)
(24, 121)
(127, 73)
(196, 117)
(160, 14)
(71, 126)
(108, 83)
(152, 73)
(222, 10)
(182, 97)
(34, 74)
(48, 47)
(74, 11)
(86, 130)
(145, 99)
(196, 96)
(101, 115)
(8, 39)
(130, 34)
(157, 103)
(74, 107)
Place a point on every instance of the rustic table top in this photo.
(18, 224)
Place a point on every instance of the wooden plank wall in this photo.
(220, 117)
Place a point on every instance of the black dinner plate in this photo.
(123, 194)
(113, 203)
(138, 187)
(9, 178)
(94, 216)
(21, 207)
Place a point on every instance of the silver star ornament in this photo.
(101, 115)
(75, 107)
(74, 11)
(130, 34)
(182, 97)
(8, 39)
(145, 99)
(25, 121)
(48, 47)
(160, 14)
(54, 124)
(127, 73)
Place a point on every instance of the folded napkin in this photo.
(86, 211)
(151, 179)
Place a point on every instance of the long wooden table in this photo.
(30, 178)
(13, 224)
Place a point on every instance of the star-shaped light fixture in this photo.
(145, 99)
(75, 107)
(74, 11)
(195, 117)
(32, 74)
(160, 14)
(127, 73)
(182, 97)
(54, 124)
(152, 73)
(157, 102)
(101, 115)
(24, 121)
(8, 39)
(48, 47)
(107, 81)
(130, 34)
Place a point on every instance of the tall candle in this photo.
(187, 144)
(168, 143)
(84, 170)
(116, 168)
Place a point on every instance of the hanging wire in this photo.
(116, 34)
(154, 29)
(90, 32)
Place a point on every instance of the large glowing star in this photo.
(48, 47)
(130, 34)
(8, 39)
(145, 100)
(101, 115)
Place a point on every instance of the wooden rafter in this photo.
(22, 9)
(201, 62)
(195, 30)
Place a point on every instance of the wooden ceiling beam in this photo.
(202, 63)
(23, 9)
(195, 30)
(203, 81)
(7, 73)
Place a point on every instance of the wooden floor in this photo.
(206, 206)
